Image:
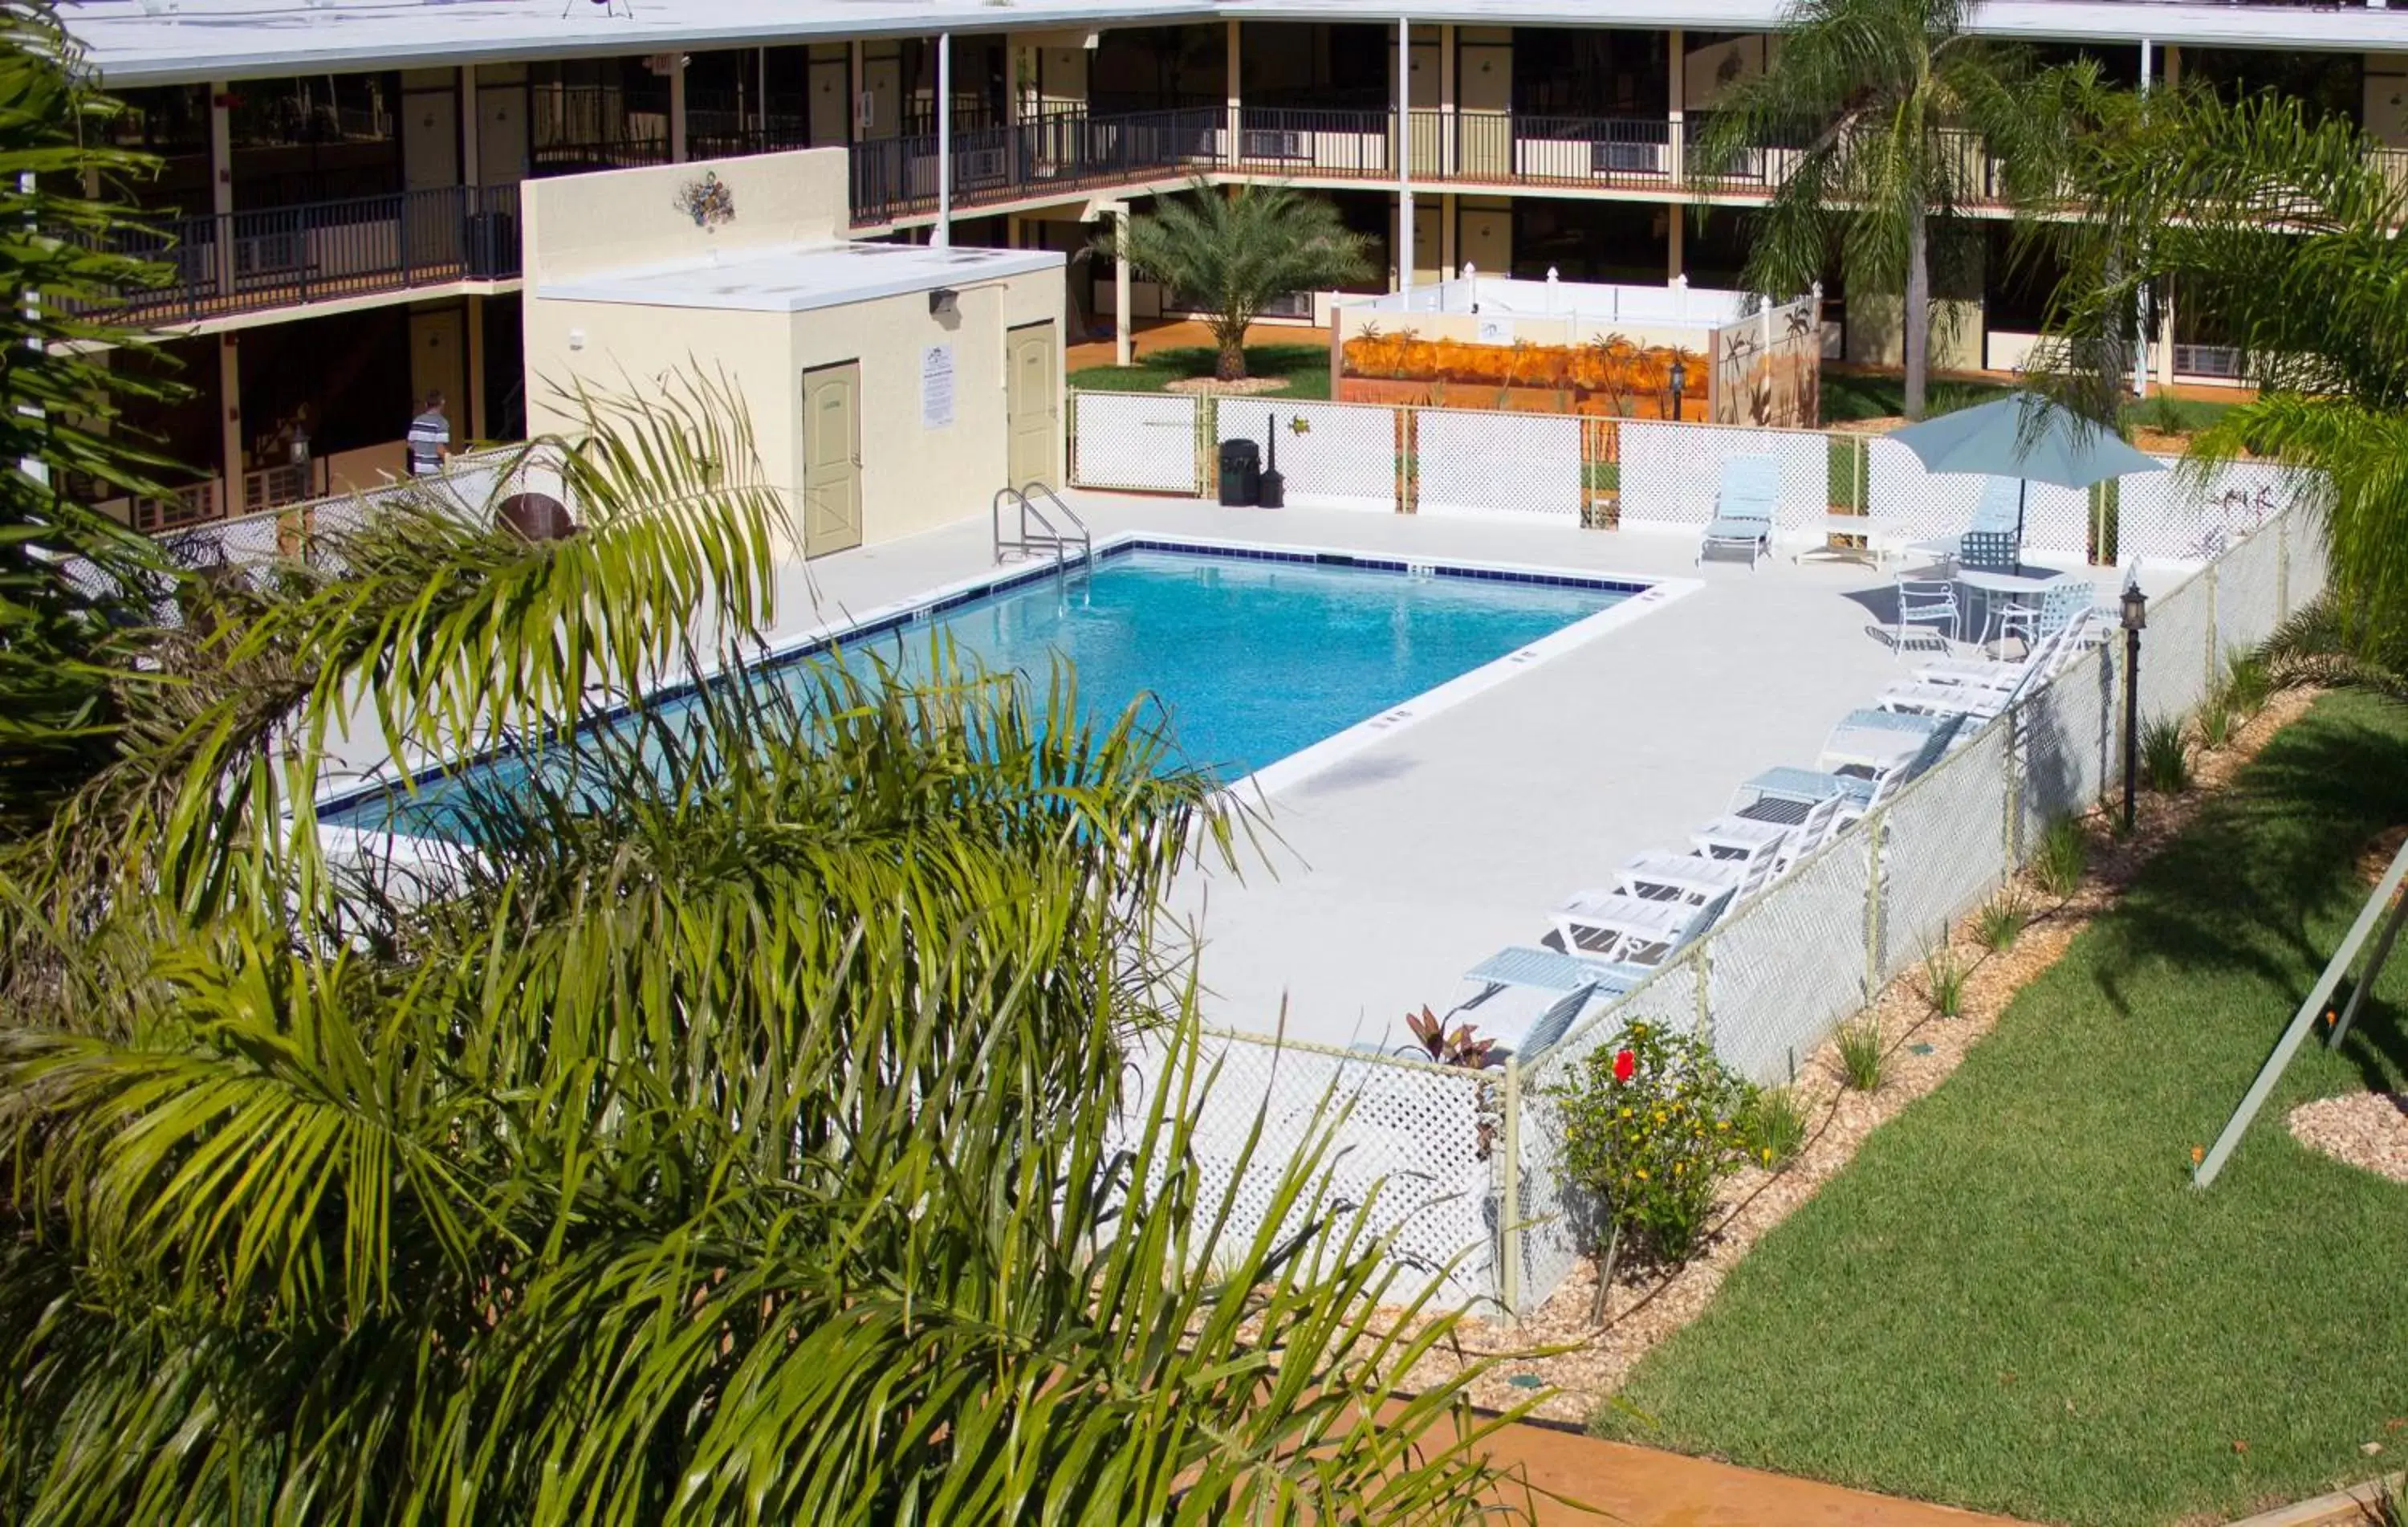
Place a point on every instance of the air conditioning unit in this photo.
(1270, 143)
(983, 165)
(1626, 158)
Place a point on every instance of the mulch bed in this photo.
(1576, 1366)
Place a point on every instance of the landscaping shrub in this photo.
(1775, 1124)
(1863, 1059)
(1652, 1126)
(2064, 855)
(2165, 757)
(1943, 980)
(2248, 684)
(2216, 721)
(2001, 920)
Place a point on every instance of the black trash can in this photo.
(492, 239)
(1241, 473)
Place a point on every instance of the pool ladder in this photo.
(1040, 534)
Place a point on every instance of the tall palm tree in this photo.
(1237, 252)
(1884, 121)
(2279, 236)
(760, 1107)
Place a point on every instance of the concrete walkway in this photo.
(1644, 1487)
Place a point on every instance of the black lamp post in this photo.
(2136, 620)
(1679, 377)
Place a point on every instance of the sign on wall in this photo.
(937, 387)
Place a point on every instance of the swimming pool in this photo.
(1256, 655)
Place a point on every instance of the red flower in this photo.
(1626, 1064)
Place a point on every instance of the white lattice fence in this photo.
(1554, 1220)
(1945, 847)
(1933, 504)
(1519, 465)
(2178, 650)
(1138, 441)
(2303, 558)
(1671, 473)
(2066, 732)
(1419, 1136)
(2249, 591)
(1791, 963)
(1334, 455)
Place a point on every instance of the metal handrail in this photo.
(1048, 535)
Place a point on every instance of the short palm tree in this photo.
(764, 1109)
(2278, 235)
(1890, 117)
(1235, 251)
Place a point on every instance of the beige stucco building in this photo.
(892, 387)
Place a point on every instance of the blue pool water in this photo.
(1252, 657)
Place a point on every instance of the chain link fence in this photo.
(1469, 1163)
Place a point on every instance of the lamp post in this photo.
(2136, 620)
(1679, 377)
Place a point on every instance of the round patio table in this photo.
(2000, 583)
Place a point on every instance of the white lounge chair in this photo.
(1661, 874)
(1611, 926)
(2043, 659)
(1744, 508)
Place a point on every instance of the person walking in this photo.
(430, 438)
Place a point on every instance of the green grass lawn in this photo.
(1849, 395)
(2013, 1300)
(1305, 367)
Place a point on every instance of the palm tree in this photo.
(1886, 118)
(2278, 235)
(765, 1107)
(58, 394)
(1235, 251)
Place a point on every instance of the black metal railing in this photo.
(247, 262)
(1064, 152)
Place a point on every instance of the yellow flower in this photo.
(1722, 1124)
(1767, 1155)
(1626, 1112)
(1659, 1118)
(1642, 1174)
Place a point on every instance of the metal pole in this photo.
(2131, 718)
(1404, 154)
(941, 236)
(2141, 319)
(1122, 340)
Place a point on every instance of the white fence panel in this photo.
(1791, 963)
(1421, 1136)
(2303, 558)
(2065, 733)
(1945, 847)
(1334, 455)
(2176, 651)
(2249, 591)
(1671, 474)
(1523, 465)
(1138, 441)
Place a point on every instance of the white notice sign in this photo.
(1496, 331)
(937, 387)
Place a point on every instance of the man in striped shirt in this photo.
(430, 438)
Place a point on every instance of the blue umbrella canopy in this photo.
(2023, 435)
(2026, 436)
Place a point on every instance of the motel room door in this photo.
(831, 458)
(1030, 414)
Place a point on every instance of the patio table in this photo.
(1882, 540)
(2000, 583)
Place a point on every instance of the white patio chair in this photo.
(1744, 508)
(2061, 604)
(1922, 603)
(1607, 924)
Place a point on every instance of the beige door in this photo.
(1029, 406)
(1485, 240)
(831, 458)
(438, 364)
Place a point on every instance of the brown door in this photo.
(831, 458)
(1029, 411)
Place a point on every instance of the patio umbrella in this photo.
(2026, 436)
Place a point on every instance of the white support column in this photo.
(941, 236)
(2140, 331)
(677, 108)
(1123, 347)
(1235, 93)
(1404, 151)
(2166, 339)
(229, 358)
(1446, 133)
(476, 366)
(1677, 133)
(471, 156)
(1446, 249)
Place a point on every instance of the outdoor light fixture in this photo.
(1679, 377)
(944, 300)
(2136, 620)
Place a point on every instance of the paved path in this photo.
(1644, 1487)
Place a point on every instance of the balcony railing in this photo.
(896, 178)
(249, 262)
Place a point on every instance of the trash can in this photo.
(1241, 473)
(492, 239)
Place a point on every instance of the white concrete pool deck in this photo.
(1398, 868)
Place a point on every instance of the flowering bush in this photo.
(1652, 1126)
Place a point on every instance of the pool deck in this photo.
(1399, 867)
